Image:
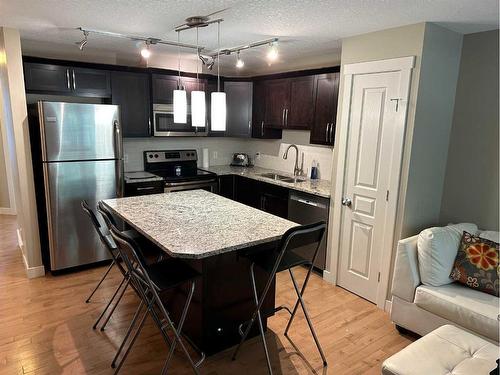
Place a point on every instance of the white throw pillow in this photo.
(490, 235)
(437, 249)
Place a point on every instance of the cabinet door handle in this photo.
(326, 131)
(283, 117)
(331, 133)
(286, 117)
(67, 79)
(74, 80)
(149, 125)
(146, 188)
(262, 128)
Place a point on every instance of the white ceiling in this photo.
(309, 30)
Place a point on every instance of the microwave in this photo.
(164, 125)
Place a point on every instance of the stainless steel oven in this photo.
(164, 125)
(209, 185)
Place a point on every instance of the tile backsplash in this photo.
(264, 153)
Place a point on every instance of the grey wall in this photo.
(471, 185)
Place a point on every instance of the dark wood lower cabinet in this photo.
(263, 196)
(222, 300)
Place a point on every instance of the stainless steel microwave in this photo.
(164, 125)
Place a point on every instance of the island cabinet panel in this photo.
(66, 80)
(223, 300)
(260, 129)
(131, 91)
(325, 108)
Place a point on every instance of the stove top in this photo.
(176, 166)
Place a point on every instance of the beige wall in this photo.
(14, 120)
(471, 185)
(430, 109)
(4, 183)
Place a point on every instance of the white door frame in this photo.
(405, 66)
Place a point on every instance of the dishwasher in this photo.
(306, 208)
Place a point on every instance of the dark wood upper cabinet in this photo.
(277, 101)
(47, 77)
(66, 80)
(300, 112)
(131, 91)
(239, 108)
(91, 82)
(325, 108)
(260, 129)
(163, 88)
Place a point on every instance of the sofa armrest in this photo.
(406, 276)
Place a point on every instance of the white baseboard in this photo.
(31, 272)
(388, 306)
(7, 211)
(328, 277)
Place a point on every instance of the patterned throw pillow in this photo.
(476, 264)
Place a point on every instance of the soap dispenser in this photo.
(314, 170)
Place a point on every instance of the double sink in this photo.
(279, 177)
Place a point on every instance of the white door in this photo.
(375, 132)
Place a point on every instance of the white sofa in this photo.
(422, 308)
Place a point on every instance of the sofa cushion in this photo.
(476, 264)
(490, 235)
(446, 350)
(437, 248)
(469, 308)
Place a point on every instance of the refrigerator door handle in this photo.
(118, 140)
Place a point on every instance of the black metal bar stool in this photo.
(284, 258)
(150, 281)
(110, 245)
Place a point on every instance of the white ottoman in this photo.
(446, 350)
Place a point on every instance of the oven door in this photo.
(208, 185)
(164, 125)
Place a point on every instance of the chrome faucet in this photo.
(296, 170)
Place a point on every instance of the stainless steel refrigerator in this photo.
(81, 158)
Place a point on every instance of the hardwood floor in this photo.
(45, 328)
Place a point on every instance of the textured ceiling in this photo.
(309, 30)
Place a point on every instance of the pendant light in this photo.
(198, 106)
(218, 102)
(180, 98)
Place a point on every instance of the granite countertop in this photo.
(316, 187)
(196, 223)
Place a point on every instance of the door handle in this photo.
(67, 79)
(327, 131)
(286, 117)
(283, 117)
(262, 128)
(331, 133)
(74, 80)
(346, 202)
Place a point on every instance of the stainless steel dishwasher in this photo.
(306, 208)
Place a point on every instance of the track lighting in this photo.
(207, 61)
(146, 52)
(239, 62)
(272, 55)
(81, 44)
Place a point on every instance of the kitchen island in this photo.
(210, 233)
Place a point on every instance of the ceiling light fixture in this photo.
(198, 105)
(239, 62)
(218, 99)
(81, 44)
(272, 54)
(180, 97)
(146, 52)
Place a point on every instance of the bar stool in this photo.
(149, 282)
(284, 258)
(110, 246)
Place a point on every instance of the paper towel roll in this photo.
(205, 158)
